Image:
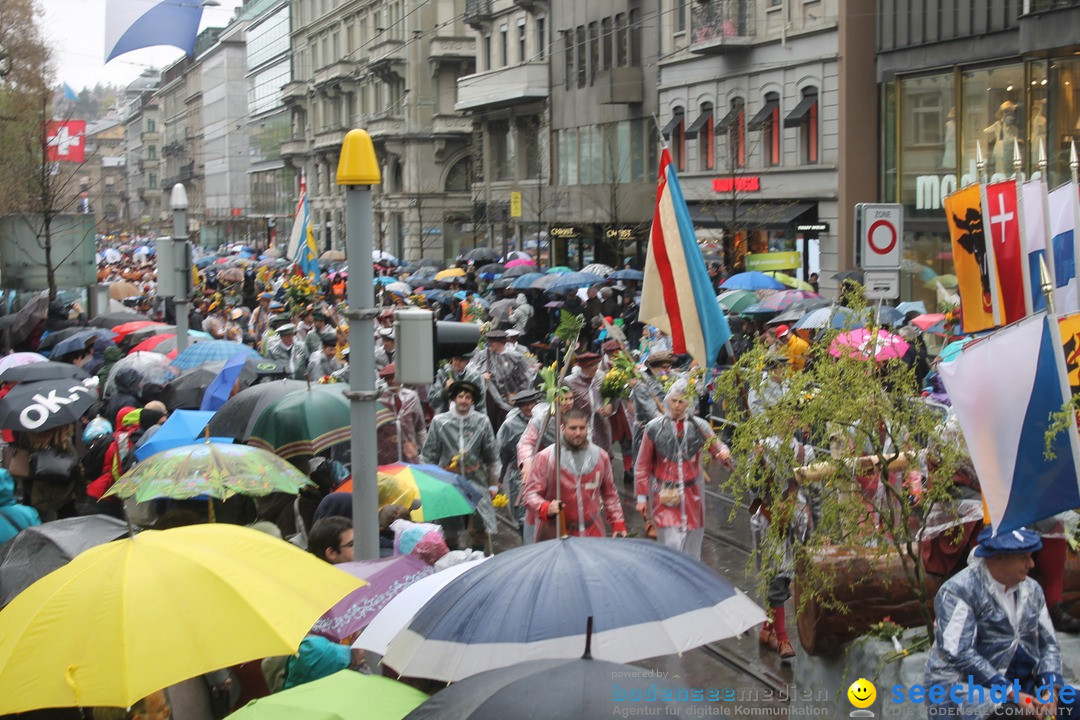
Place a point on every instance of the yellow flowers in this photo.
(500, 500)
(454, 462)
(615, 385)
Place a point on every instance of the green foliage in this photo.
(861, 415)
(570, 326)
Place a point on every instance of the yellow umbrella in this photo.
(449, 273)
(133, 616)
(791, 282)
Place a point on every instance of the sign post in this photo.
(879, 231)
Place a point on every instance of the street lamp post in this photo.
(178, 201)
(358, 171)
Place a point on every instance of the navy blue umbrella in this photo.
(645, 599)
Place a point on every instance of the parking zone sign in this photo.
(880, 228)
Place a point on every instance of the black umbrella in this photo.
(856, 275)
(492, 268)
(111, 320)
(36, 372)
(482, 255)
(426, 262)
(238, 415)
(586, 689)
(54, 337)
(518, 271)
(503, 283)
(44, 405)
(37, 551)
(186, 391)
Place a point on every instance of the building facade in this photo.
(1000, 75)
(142, 141)
(103, 178)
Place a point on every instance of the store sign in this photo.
(749, 183)
(565, 232)
(765, 262)
(813, 228)
(619, 234)
(930, 190)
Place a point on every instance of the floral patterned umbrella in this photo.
(209, 469)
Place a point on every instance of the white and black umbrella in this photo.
(32, 407)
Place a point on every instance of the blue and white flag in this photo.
(1004, 390)
(135, 24)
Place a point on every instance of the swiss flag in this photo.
(66, 141)
(1002, 219)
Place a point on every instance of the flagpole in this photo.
(988, 238)
(980, 163)
(1048, 262)
(1029, 304)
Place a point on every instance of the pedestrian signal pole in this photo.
(358, 170)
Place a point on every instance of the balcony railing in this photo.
(477, 12)
(722, 25)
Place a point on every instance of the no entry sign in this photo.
(880, 228)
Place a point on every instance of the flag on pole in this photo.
(65, 141)
(302, 247)
(676, 295)
(963, 211)
(298, 233)
(69, 93)
(1034, 218)
(1061, 218)
(1001, 209)
(1005, 429)
(134, 24)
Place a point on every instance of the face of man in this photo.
(497, 346)
(458, 364)
(576, 433)
(661, 369)
(566, 402)
(155, 707)
(1010, 569)
(677, 405)
(589, 371)
(329, 350)
(344, 550)
(389, 344)
(527, 409)
(463, 401)
(287, 339)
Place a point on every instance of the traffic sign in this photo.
(880, 234)
(881, 284)
(515, 204)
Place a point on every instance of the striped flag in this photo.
(1061, 219)
(302, 247)
(976, 282)
(1005, 244)
(676, 295)
(1005, 429)
(1034, 214)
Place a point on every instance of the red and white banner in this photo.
(1001, 214)
(66, 141)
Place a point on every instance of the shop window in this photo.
(805, 118)
(675, 133)
(767, 121)
(702, 129)
(734, 126)
(991, 98)
(1062, 116)
(928, 132)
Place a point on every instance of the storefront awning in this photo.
(731, 119)
(798, 115)
(703, 121)
(763, 115)
(672, 124)
(767, 215)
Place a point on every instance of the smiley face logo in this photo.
(862, 693)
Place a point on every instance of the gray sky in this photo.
(75, 30)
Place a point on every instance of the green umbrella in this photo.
(304, 423)
(559, 270)
(345, 695)
(735, 301)
(212, 469)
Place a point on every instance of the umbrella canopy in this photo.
(121, 331)
(792, 282)
(237, 416)
(952, 351)
(183, 427)
(558, 270)
(482, 255)
(37, 551)
(520, 268)
(520, 263)
(752, 280)
(572, 281)
(781, 300)
(50, 339)
(855, 275)
(627, 274)
(163, 344)
(209, 351)
(19, 359)
(152, 367)
(736, 301)
(399, 287)
(797, 310)
(836, 317)
(503, 283)
(598, 269)
(525, 281)
(148, 331)
(449, 273)
(442, 494)
(386, 578)
(111, 320)
(130, 617)
(331, 256)
(78, 341)
(888, 315)
(380, 256)
(492, 268)
(36, 372)
(587, 689)
(917, 305)
(207, 468)
(304, 423)
(187, 390)
(345, 695)
(863, 345)
(46, 404)
(123, 289)
(928, 322)
(645, 599)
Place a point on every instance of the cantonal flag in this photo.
(1001, 214)
(963, 211)
(676, 295)
(66, 141)
(1061, 228)
(1034, 214)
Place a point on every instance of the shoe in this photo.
(786, 651)
(650, 530)
(767, 637)
(1063, 621)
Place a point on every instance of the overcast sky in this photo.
(75, 30)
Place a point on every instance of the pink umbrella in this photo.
(860, 344)
(20, 358)
(924, 322)
(519, 262)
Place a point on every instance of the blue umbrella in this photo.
(628, 274)
(572, 281)
(888, 315)
(206, 260)
(524, 282)
(209, 351)
(836, 317)
(385, 280)
(917, 305)
(645, 599)
(78, 341)
(752, 280)
(183, 427)
(220, 388)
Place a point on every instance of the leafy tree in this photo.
(865, 418)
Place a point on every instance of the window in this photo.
(522, 57)
(605, 43)
(581, 56)
(675, 131)
(633, 55)
(502, 150)
(767, 121)
(541, 39)
(487, 51)
(702, 129)
(151, 181)
(151, 126)
(528, 131)
(151, 152)
(619, 40)
(568, 39)
(805, 118)
(594, 51)
(734, 126)
(458, 179)
(504, 46)
(680, 16)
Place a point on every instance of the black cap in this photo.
(466, 386)
(526, 396)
